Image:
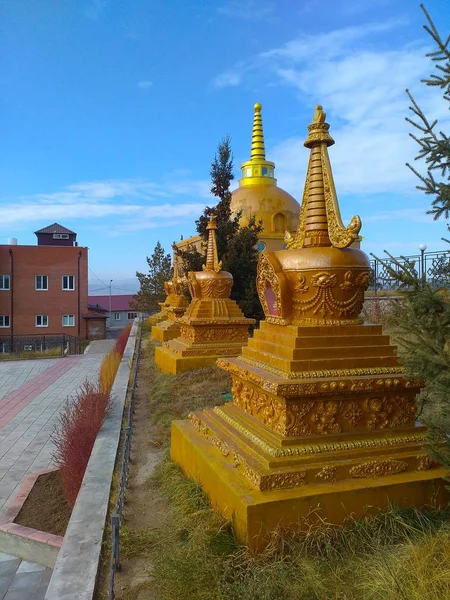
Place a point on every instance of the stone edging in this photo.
(25, 542)
(75, 572)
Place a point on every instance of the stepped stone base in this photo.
(261, 484)
(165, 331)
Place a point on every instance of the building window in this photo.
(68, 282)
(4, 321)
(4, 348)
(116, 316)
(68, 320)
(261, 246)
(41, 320)
(4, 282)
(132, 315)
(60, 236)
(264, 171)
(41, 282)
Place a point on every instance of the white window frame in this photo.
(40, 289)
(117, 316)
(42, 318)
(68, 324)
(5, 318)
(68, 288)
(3, 279)
(134, 315)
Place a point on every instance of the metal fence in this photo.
(52, 345)
(432, 267)
(116, 516)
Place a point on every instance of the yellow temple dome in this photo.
(258, 194)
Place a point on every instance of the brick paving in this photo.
(28, 413)
(32, 395)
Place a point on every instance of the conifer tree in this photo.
(236, 245)
(152, 283)
(423, 331)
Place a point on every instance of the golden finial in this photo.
(212, 260)
(258, 151)
(320, 222)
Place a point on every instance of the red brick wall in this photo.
(53, 261)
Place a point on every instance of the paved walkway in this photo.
(32, 394)
(22, 580)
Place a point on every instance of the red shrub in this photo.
(122, 339)
(74, 435)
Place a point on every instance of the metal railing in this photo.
(432, 267)
(116, 516)
(52, 345)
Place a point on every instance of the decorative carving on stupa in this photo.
(322, 411)
(213, 325)
(172, 308)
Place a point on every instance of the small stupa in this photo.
(172, 308)
(213, 325)
(322, 413)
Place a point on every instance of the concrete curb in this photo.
(75, 572)
(25, 542)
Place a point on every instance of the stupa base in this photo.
(172, 363)
(156, 318)
(165, 331)
(260, 491)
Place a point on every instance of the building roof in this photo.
(55, 228)
(118, 303)
(95, 315)
(95, 307)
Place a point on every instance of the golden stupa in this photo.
(259, 195)
(322, 413)
(213, 324)
(172, 308)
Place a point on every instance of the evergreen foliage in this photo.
(236, 246)
(423, 331)
(152, 283)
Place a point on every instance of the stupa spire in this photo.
(257, 170)
(320, 222)
(257, 151)
(212, 259)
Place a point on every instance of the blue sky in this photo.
(111, 111)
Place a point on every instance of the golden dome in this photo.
(258, 194)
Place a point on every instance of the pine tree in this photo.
(236, 245)
(423, 331)
(152, 283)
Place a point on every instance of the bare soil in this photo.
(46, 509)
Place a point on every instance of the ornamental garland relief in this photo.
(215, 288)
(266, 408)
(324, 302)
(378, 468)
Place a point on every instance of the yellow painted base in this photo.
(165, 331)
(157, 318)
(174, 364)
(255, 513)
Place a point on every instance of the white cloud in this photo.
(228, 79)
(246, 9)
(361, 84)
(145, 84)
(136, 202)
(95, 9)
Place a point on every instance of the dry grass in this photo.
(174, 397)
(397, 555)
(191, 552)
(108, 370)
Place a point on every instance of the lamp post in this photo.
(110, 320)
(422, 249)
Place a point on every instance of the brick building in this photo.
(44, 288)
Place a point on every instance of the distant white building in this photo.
(121, 312)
